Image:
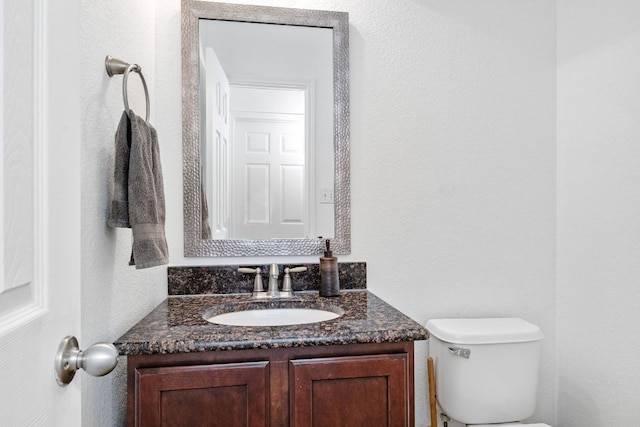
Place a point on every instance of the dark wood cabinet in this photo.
(342, 385)
(219, 395)
(350, 391)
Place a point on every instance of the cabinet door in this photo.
(224, 395)
(352, 391)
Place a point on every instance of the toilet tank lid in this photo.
(484, 331)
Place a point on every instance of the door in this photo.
(270, 177)
(218, 395)
(216, 147)
(350, 391)
(39, 208)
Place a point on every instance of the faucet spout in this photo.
(274, 272)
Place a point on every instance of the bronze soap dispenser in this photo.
(329, 279)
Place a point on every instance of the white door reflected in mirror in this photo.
(266, 130)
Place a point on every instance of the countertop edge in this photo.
(131, 349)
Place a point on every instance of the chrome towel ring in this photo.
(118, 66)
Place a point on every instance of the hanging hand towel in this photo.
(119, 209)
(138, 192)
(204, 217)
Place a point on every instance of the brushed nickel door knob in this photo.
(97, 360)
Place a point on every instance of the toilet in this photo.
(486, 371)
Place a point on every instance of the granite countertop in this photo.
(177, 325)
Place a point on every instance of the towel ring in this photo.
(118, 66)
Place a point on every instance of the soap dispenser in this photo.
(329, 279)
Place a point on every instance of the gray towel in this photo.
(204, 211)
(137, 200)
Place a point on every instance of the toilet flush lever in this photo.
(462, 352)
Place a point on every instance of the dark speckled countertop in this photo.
(177, 325)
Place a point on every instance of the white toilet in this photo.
(486, 370)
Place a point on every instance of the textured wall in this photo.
(598, 213)
(114, 295)
(453, 165)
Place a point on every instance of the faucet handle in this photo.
(286, 281)
(257, 282)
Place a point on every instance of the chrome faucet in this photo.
(274, 272)
(272, 289)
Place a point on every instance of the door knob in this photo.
(97, 360)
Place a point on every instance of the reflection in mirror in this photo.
(266, 122)
(265, 130)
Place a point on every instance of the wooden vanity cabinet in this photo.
(223, 394)
(350, 391)
(343, 385)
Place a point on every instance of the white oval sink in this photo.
(273, 317)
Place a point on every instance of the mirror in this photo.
(265, 130)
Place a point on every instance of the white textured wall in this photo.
(453, 165)
(453, 162)
(114, 295)
(598, 320)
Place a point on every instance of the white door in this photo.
(39, 208)
(216, 157)
(270, 177)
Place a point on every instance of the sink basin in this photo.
(273, 317)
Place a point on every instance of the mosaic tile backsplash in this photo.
(198, 280)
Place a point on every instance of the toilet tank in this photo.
(486, 370)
